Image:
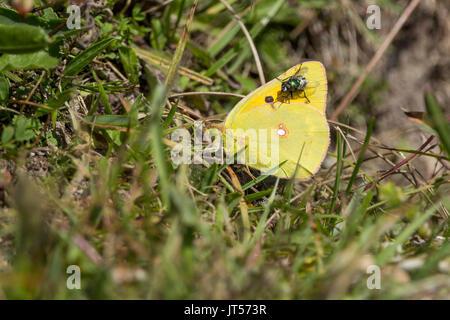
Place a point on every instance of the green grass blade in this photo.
(262, 177)
(384, 256)
(260, 227)
(337, 181)
(439, 121)
(83, 59)
(19, 39)
(103, 96)
(360, 156)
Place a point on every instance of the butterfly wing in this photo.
(301, 131)
(313, 71)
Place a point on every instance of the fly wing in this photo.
(312, 84)
(302, 71)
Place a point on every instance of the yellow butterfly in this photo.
(291, 108)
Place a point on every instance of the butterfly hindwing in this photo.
(298, 119)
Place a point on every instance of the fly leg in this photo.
(304, 95)
(292, 97)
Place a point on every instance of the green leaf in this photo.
(4, 88)
(170, 115)
(10, 17)
(262, 177)
(60, 98)
(86, 57)
(18, 39)
(114, 136)
(130, 63)
(392, 194)
(22, 133)
(361, 156)
(103, 96)
(209, 178)
(439, 121)
(157, 38)
(262, 222)
(36, 60)
(13, 77)
(258, 195)
(48, 22)
(432, 262)
(49, 14)
(158, 150)
(220, 43)
(7, 134)
(138, 15)
(339, 163)
(386, 254)
(114, 120)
